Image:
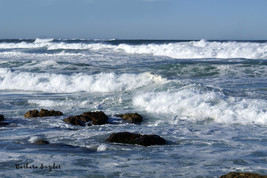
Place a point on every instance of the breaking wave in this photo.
(59, 83)
(179, 50)
(194, 105)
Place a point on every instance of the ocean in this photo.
(207, 99)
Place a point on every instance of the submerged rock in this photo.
(3, 123)
(2, 118)
(42, 113)
(132, 138)
(132, 118)
(41, 142)
(242, 175)
(96, 118)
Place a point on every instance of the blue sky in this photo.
(134, 19)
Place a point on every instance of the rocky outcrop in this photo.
(242, 175)
(132, 138)
(41, 142)
(132, 118)
(95, 118)
(42, 113)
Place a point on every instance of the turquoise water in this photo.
(206, 98)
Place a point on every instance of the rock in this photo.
(123, 137)
(42, 113)
(77, 120)
(31, 113)
(41, 142)
(147, 140)
(242, 175)
(131, 138)
(132, 118)
(96, 118)
(2, 118)
(3, 123)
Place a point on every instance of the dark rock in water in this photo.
(2, 118)
(148, 140)
(3, 123)
(31, 113)
(76, 120)
(132, 117)
(41, 142)
(96, 118)
(123, 137)
(131, 138)
(242, 175)
(42, 113)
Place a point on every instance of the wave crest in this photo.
(59, 83)
(193, 105)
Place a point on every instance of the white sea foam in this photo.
(43, 40)
(181, 50)
(53, 103)
(59, 83)
(201, 49)
(194, 105)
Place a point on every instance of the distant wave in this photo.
(173, 49)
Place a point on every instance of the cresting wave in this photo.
(59, 83)
(179, 50)
(194, 105)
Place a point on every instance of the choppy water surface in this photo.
(208, 99)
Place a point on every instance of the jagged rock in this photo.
(242, 175)
(132, 118)
(132, 138)
(41, 142)
(96, 118)
(2, 118)
(42, 113)
(31, 113)
(77, 120)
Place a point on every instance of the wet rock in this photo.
(3, 123)
(77, 120)
(42, 113)
(242, 175)
(132, 118)
(41, 142)
(96, 118)
(31, 113)
(2, 118)
(132, 138)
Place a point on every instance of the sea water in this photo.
(208, 99)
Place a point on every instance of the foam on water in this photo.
(194, 105)
(59, 83)
(201, 49)
(181, 50)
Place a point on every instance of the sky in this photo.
(134, 19)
